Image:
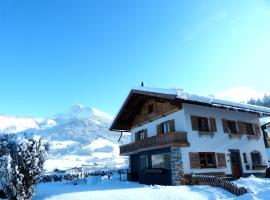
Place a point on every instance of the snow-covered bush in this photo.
(21, 162)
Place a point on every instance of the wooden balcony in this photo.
(156, 142)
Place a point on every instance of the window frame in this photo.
(245, 158)
(232, 123)
(141, 134)
(164, 164)
(259, 158)
(205, 121)
(165, 127)
(249, 128)
(206, 156)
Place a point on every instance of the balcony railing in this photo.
(155, 142)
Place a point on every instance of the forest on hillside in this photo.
(264, 101)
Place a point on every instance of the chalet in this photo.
(175, 134)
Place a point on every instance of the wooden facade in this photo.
(135, 109)
(154, 108)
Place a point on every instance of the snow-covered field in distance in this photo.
(78, 136)
(97, 188)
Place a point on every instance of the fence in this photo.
(218, 182)
(59, 177)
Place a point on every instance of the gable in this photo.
(154, 108)
(136, 105)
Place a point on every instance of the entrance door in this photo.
(236, 163)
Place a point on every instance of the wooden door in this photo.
(236, 163)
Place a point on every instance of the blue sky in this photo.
(55, 53)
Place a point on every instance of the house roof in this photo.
(265, 121)
(137, 96)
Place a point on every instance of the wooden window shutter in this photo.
(172, 125)
(225, 126)
(159, 127)
(145, 133)
(257, 129)
(213, 126)
(221, 160)
(194, 159)
(242, 127)
(194, 122)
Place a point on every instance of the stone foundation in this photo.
(176, 165)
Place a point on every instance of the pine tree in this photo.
(265, 101)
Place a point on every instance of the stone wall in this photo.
(176, 165)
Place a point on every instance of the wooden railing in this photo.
(158, 141)
(216, 181)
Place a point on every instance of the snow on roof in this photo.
(265, 120)
(179, 93)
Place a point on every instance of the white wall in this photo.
(152, 126)
(220, 142)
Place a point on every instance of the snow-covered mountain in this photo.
(78, 136)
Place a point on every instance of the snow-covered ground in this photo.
(97, 188)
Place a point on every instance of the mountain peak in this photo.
(79, 111)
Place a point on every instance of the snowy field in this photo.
(97, 189)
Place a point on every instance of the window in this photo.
(203, 124)
(249, 128)
(245, 157)
(150, 108)
(232, 127)
(165, 127)
(256, 157)
(141, 135)
(144, 161)
(161, 161)
(207, 160)
(202, 160)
